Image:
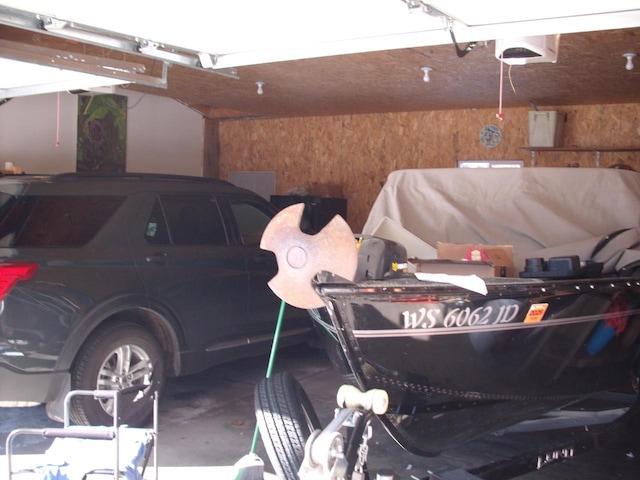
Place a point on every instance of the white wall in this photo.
(163, 136)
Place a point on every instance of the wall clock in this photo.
(490, 136)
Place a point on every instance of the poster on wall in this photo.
(102, 133)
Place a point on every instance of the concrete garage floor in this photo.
(207, 424)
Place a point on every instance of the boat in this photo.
(458, 364)
(461, 356)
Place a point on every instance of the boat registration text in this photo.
(439, 316)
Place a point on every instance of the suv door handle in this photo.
(158, 258)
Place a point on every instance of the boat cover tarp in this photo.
(542, 212)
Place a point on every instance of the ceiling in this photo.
(345, 57)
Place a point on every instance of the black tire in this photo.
(286, 419)
(120, 356)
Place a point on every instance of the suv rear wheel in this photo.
(116, 357)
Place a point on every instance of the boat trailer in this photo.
(340, 450)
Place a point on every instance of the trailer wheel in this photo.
(286, 419)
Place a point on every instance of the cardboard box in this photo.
(452, 267)
(500, 256)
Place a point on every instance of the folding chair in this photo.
(79, 451)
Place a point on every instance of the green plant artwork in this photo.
(102, 133)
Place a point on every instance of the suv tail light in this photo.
(12, 273)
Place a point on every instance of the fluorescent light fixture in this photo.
(21, 78)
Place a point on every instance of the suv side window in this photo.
(157, 232)
(55, 221)
(190, 220)
(251, 221)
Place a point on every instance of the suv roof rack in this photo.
(71, 176)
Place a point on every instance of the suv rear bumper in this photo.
(31, 387)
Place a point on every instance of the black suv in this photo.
(117, 281)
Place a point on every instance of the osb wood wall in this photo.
(356, 153)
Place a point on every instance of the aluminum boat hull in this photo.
(458, 364)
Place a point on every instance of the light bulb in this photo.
(425, 77)
(629, 57)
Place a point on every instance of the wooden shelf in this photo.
(596, 150)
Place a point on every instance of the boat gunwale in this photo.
(496, 286)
